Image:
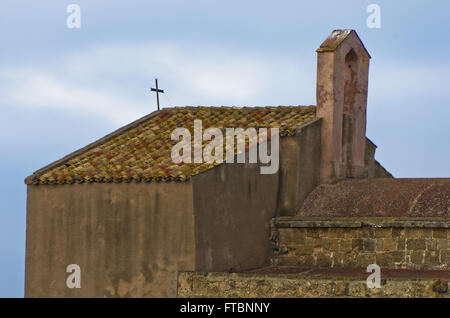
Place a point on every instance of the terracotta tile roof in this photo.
(141, 150)
(384, 197)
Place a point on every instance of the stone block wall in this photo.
(356, 243)
(241, 285)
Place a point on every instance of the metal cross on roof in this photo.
(157, 90)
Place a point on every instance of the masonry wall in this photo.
(240, 285)
(358, 242)
(130, 239)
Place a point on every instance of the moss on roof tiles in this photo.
(141, 151)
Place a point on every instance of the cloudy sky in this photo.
(62, 88)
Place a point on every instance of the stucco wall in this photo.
(233, 205)
(299, 167)
(374, 168)
(334, 98)
(130, 239)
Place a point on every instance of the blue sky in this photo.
(61, 88)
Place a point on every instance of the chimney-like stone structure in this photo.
(342, 79)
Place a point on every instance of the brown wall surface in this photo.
(374, 168)
(233, 205)
(129, 239)
(299, 167)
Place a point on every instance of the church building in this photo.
(139, 224)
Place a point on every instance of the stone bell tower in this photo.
(342, 79)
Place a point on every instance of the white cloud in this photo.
(217, 76)
(34, 89)
(113, 81)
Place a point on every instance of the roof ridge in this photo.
(235, 107)
(145, 157)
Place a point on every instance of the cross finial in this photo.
(157, 90)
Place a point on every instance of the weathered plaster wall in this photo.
(358, 242)
(130, 239)
(299, 167)
(337, 93)
(233, 205)
(374, 168)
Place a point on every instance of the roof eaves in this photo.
(40, 172)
